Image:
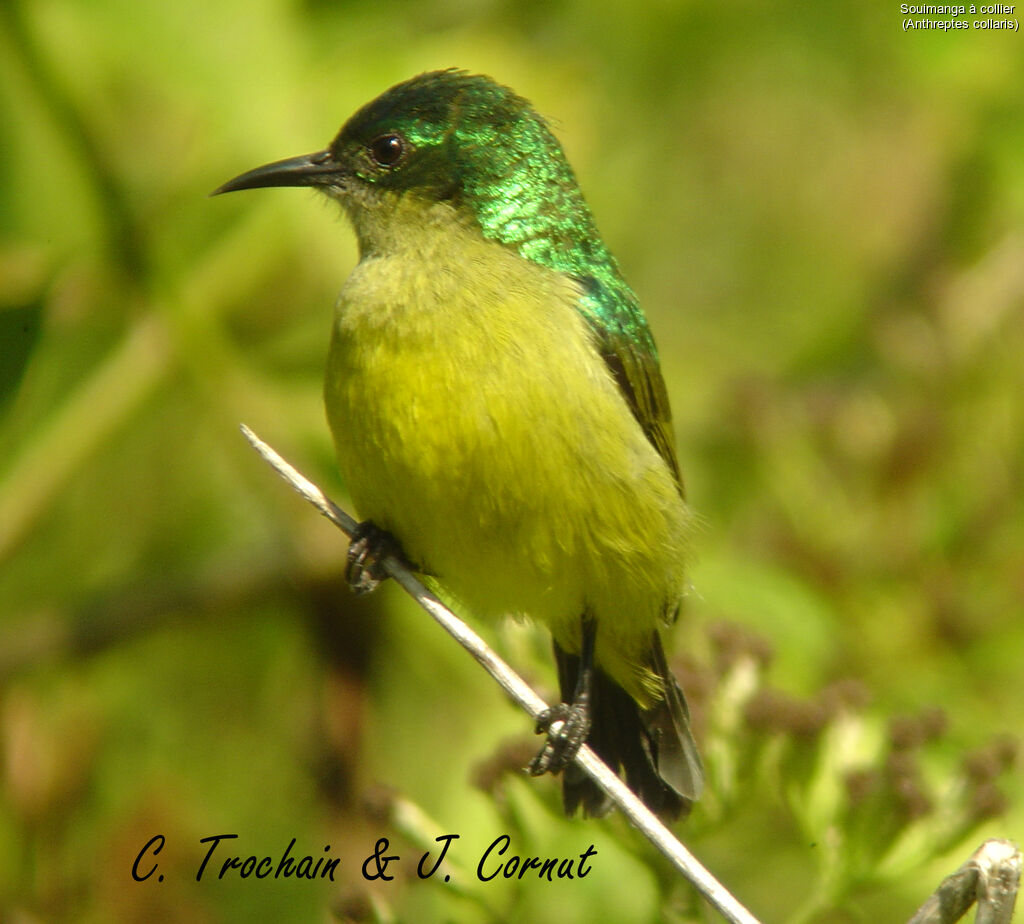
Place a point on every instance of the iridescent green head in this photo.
(448, 136)
(440, 136)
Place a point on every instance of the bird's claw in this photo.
(563, 741)
(369, 546)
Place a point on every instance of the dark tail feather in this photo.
(652, 748)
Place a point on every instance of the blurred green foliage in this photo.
(824, 217)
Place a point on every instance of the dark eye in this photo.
(387, 150)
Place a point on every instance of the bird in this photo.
(499, 413)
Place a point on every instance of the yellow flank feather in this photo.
(475, 420)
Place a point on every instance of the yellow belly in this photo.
(476, 422)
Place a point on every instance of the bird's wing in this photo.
(627, 347)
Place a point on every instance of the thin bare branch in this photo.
(666, 842)
(991, 877)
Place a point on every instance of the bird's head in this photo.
(442, 137)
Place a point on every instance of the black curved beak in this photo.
(319, 169)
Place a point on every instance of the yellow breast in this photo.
(475, 420)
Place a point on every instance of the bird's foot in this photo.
(369, 546)
(563, 742)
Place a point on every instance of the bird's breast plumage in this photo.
(475, 419)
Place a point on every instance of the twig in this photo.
(991, 877)
(718, 896)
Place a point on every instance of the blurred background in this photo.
(823, 216)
